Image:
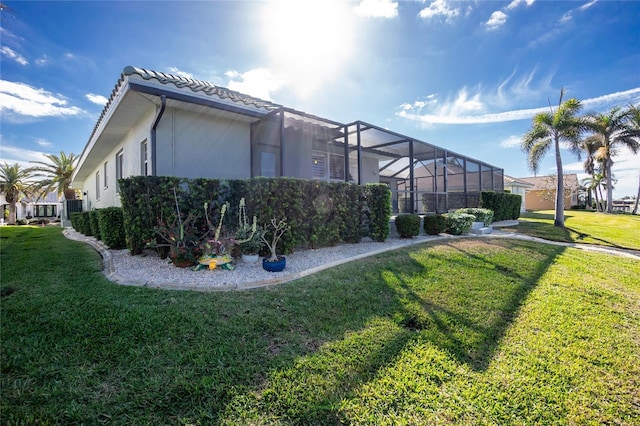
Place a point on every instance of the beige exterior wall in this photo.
(535, 201)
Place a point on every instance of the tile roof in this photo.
(541, 182)
(508, 180)
(199, 86)
(183, 83)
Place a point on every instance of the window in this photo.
(336, 167)
(318, 166)
(326, 166)
(144, 159)
(106, 165)
(98, 185)
(119, 168)
(267, 164)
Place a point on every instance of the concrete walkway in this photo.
(109, 269)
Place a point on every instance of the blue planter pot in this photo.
(276, 266)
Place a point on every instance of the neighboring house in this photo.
(160, 124)
(47, 207)
(542, 195)
(519, 187)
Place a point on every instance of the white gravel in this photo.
(151, 271)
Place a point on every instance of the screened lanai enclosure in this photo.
(423, 178)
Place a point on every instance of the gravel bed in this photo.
(149, 270)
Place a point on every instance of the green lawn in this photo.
(588, 227)
(466, 331)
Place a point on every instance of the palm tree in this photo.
(548, 130)
(614, 130)
(594, 183)
(634, 124)
(14, 183)
(591, 164)
(55, 174)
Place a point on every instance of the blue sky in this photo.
(464, 75)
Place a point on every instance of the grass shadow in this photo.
(467, 314)
(289, 353)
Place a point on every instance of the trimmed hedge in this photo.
(377, 198)
(435, 224)
(86, 224)
(321, 212)
(482, 215)
(408, 225)
(505, 206)
(112, 227)
(94, 224)
(76, 217)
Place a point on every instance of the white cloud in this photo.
(468, 108)
(588, 5)
(439, 8)
(96, 99)
(43, 142)
(19, 99)
(179, 73)
(43, 60)
(511, 142)
(377, 9)
(12, 155)
(69, 55)
(626, 96)
(258, 82)
(516, 3)
(499, 18)
(496, 20)
(11, 54)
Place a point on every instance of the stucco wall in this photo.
(198, 145)
(130, 145)
(535, 201)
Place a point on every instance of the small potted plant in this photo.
(248, 237)
(277, 228)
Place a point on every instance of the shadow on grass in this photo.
(89, 348)
(468, 312)
(460, 296)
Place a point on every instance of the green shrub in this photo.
(377, 207)
(325, 212)
(435, 224)
(481, 215)
(112, 227)
(86, 224)
(22, 222)
(459, 223)
(75, 220)
(94, 224)
(505, 206)
(408, 225)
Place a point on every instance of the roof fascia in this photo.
(136, 86)
(118, 94)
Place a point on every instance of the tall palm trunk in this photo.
(559, 214)
(595, 192)
(602, 202)
(635, 207)
(608, 166)
(12, 213)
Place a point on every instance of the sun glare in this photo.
(309, 42)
